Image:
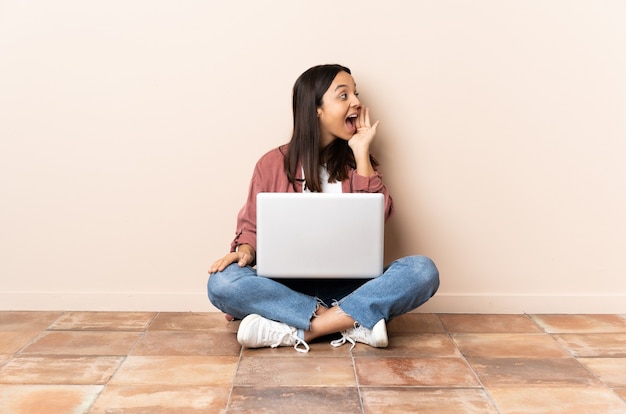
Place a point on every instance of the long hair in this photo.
(308, 92)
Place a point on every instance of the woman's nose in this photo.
(355, 101)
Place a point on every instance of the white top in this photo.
(331, 188)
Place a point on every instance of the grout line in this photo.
(232, 385)
(572, 354)
(590, 371)
(356, 380)
(63, 313)
(464, 358)
(38, 336)
(537, 324)
(123, 359)
(531, 318)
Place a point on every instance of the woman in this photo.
(329, 151)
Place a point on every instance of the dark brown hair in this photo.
(308, 91)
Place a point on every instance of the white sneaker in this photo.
(376, 337)
(256, 331)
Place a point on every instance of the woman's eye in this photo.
(343, 96)
(356, 94)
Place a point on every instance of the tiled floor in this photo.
(129, 362)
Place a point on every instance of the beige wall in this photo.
(129, 130)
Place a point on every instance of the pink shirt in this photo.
(269, 177)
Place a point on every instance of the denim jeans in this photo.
(404, 285)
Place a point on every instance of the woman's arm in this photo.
(365, 178)
(361, 141)
(243, 247)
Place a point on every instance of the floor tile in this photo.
(319, 349)
(176, 370)
(425, 400)
(191, 362)
(103, 321)
(187, 343)
(494, 372)
(611, 371)
(295, 371)
(486, 323)
(429, 372)
(59, 370)
(594, 345)
(621, 392)
(26, 320)
(403, 345)
(288, 400)
(556, 400)
(4, 358)
(193, 321)
(582, 323)
(156, 399)
(39, 399)
(416, 323)
(83, 343)
(504, 345)
(13, 341)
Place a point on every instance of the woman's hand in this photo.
(361, 141)
(244, 256)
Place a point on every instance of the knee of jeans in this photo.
(210, 286)
(426, 272)
(217, 285)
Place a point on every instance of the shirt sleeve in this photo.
(245, 232)
(373, 184)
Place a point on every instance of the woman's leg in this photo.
(404, 285)
(328, 321)
(239, 292)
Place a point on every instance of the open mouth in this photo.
(351, 123)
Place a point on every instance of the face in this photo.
(339, 111)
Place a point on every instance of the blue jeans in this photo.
(404, 285)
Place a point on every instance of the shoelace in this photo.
(285, 339)
(303, 343)
(344, 338)
(354, 335)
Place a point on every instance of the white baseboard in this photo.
(198, 302)
(106, 301)
(532, 304)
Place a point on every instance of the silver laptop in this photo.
(320, 235)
